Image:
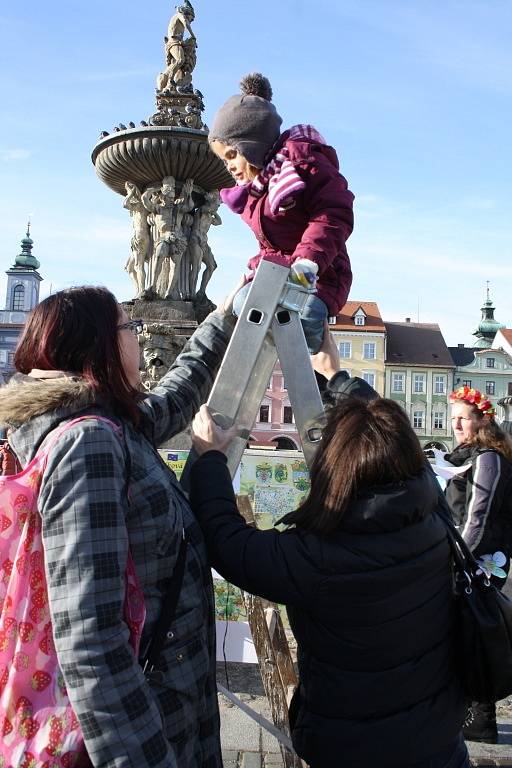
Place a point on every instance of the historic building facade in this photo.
(419, 375)
(487, 365)
(361, 338)
(22, 295)
(275, 423)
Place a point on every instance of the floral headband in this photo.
(473, 397)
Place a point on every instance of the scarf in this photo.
(278, 176)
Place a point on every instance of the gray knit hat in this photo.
(248, 121)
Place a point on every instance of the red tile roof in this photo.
(345, 319)
(507, 333)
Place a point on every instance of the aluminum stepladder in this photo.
(268, 328)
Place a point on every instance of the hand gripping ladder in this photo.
(268, 328)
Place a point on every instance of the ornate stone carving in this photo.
(170, 237)
(178, 104)
(199, 252)
(141, 242)
(180, 52)
(160, 346)
(168, 177)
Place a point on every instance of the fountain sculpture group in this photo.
(169, 179)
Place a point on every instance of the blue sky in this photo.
(416, 96)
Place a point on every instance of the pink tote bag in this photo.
(38, 727)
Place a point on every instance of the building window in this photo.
(359, 319)
(439, 385)
(398, 382)
(489, 362)
(438, 420)
(466, 383)
(419, 382)
(509, 389)
(18, 298)
(369, 350)
(345, 348)
(369, 378)
(417, 419)
(490, 387)
(287, 414)
(264, 414)
(10, 358)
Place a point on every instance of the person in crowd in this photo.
(481, 503)
(364, 568)
(291, 194)
(104, 495)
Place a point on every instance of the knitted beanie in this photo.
(249, 121)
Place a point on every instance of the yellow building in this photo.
(361, 338)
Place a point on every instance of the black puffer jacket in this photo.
(481, 500)
(371, 608)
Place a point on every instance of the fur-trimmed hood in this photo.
(24, 397)
(31, 408)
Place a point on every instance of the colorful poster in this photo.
(275, 481)
(176, 460)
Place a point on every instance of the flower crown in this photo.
(473, 397)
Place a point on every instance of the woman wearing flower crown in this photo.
(481, 502)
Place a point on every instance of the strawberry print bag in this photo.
(38, 728)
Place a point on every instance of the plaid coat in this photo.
(98, 498)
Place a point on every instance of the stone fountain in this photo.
(169, 180)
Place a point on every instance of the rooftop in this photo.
(462, 355)
(345, 319)
(507, 334)
(420, 344)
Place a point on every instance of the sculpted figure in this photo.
(199, 249)
(159, 201)
(159, 351)
(180, 52)
(141, 239)
(182, 222)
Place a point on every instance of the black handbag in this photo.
(484, 623)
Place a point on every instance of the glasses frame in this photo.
(135, 326)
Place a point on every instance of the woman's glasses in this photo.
(135, 326)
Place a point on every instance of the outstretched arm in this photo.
(266, 563)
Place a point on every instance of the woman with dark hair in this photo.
(365, 571)
(481, 502)
(104, 495)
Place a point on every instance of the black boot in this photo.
(480, 723)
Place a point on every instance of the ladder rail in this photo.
(268, 328)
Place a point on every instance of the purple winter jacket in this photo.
(315, 228)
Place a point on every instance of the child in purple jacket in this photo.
(291, 194)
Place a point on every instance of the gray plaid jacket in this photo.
(99, 497)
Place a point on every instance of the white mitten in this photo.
(304, 272)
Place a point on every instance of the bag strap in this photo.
(54, 435)
(155, 646)
(466, 565)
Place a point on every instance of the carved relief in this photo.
(170, 239)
